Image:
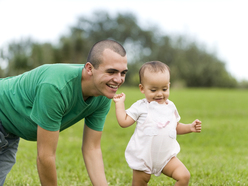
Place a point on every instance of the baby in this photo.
(153, 147)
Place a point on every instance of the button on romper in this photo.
(154, 142)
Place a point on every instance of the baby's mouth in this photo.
(158, 99)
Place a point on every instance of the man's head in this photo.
(95, 55)
(106, 68)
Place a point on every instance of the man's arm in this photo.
(46, 154)
(92, 154)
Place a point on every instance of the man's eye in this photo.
(123, 73)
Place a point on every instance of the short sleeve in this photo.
(96, 120)
(135, 110)
(48, 107)
(176, 112)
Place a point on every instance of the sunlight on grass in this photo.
(217, 156)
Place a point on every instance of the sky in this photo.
(219, 25)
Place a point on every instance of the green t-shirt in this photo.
(49, 96)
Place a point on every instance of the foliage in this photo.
(216, 156)
(1, 73)
(243, 84)
(25, 55)
(190, 63)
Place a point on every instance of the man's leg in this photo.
(8, 156)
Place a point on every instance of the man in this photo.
(38, 104)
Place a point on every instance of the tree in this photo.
(189, 62)
(17, 56)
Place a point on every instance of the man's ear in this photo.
(141, 88)
(88, 67)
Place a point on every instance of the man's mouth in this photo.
(113, 86)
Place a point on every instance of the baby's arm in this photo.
(187, 128)
(123, 119)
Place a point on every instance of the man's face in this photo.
(110, 74)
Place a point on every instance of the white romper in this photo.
(154, 142)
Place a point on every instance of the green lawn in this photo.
(217, 156)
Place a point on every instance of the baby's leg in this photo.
(140, 178)
(176, 169)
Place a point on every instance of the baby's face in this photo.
(156, 86)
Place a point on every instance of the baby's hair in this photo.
(153, 66)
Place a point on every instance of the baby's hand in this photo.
(119, 97)
(196, 126)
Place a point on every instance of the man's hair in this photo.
(153, 66)
(95, 54)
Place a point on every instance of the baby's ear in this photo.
(141, 87)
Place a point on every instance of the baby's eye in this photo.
(153, 90)
(165, 89)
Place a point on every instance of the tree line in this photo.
(190, 63)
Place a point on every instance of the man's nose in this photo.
(118, 78)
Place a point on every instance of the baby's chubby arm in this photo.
(195, 126)
(123, 119)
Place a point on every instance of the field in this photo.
(218, 156)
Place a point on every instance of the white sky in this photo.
(220, 25)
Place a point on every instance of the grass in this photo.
(218, 156)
